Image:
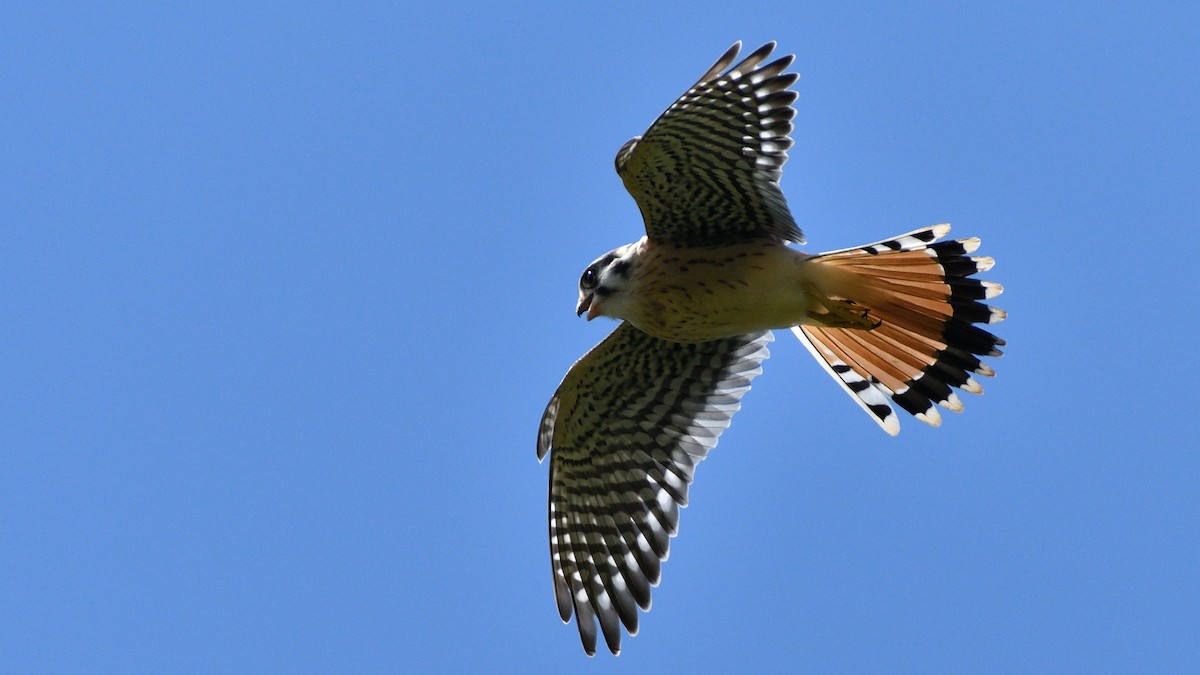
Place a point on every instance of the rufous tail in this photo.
(919, 306)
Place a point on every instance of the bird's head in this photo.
(603, 284)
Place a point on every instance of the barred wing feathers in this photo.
(707, 170)
(625, 431)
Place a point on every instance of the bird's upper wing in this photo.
(627, 427)
(708, 169)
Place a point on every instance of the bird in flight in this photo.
(892, 322)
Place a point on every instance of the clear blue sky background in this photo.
(287, 286)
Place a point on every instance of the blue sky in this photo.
(286, 288)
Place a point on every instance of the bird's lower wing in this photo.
(625, 431)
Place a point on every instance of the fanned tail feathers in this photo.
(926, 305)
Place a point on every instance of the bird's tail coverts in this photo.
(919, 296)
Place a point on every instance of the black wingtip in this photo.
(722, 63)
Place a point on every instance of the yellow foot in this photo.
(841, 313)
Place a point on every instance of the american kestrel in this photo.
(698, 297)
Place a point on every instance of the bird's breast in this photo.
(694, 294)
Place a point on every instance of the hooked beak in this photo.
(587, 304)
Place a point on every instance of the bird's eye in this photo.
(588, 281)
